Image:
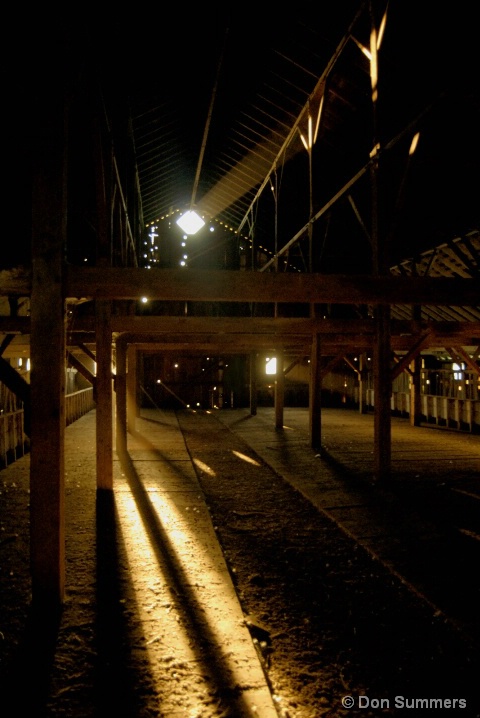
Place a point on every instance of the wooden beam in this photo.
(404, 362)
(81, 368)
(236, 286)
(466, 358)
(84, 326)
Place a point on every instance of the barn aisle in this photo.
(234, 571)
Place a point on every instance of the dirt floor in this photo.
(336, 633)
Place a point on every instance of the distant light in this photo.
(190, 222)
(271, 366)
(414, 144)
(144, 300)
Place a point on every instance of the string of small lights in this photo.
(151, 245)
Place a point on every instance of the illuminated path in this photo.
(195, 637)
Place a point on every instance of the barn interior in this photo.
(331, 153)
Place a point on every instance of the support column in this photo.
(415, 386)
(104, 423)
(48, 351)
(381, 261)
(362, 388)
(279, 392)
(415, 392)
(253, 384)
(315, 394)
(121, 396)
(382, 392)
(132, 401)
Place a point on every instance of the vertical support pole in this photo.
(132, 403)
(253, 384)
(415, 392)
(121, 396)
(104, 422)
(362, 389)
(279, 391)
(382, 376)
(221, 371)
(415, 386)
(315, 394)
(48, 346)
(383, 391)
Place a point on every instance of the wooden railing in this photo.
(78, 404)
(14, 443)
(450, 412)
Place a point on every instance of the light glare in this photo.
(190, 222)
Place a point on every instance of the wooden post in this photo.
(48, 345)
(382, 350)
(315, 394)
(279, 391)
(104, 395)
(382, 393)
(253, 384)
(415, 386)
(415, 392)
(132, 401)
(121, 396)
(362, 388)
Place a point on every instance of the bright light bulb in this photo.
(190, 222)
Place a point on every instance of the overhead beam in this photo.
(81, 368)
(467, 333)
(403, 364)
(235, 286)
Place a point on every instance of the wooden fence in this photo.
(450, 412)
(14, 443)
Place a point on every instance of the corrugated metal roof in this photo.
(458, 258)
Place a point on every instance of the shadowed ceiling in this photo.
(209, 104)
(216, 101)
